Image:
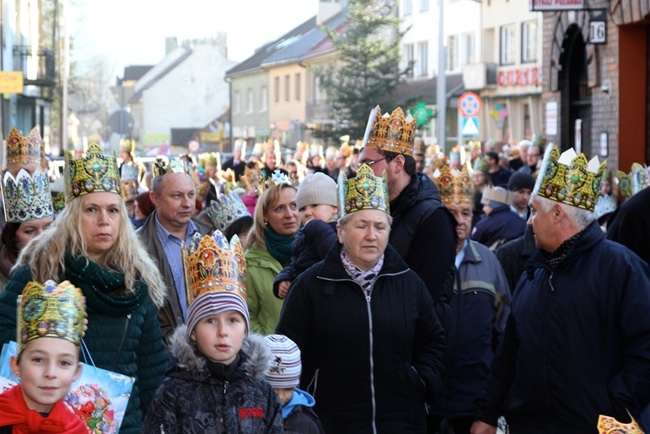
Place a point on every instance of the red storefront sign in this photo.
(529, 76)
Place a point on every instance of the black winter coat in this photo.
(424, 234)
(191, 400)
(366, 357)
(577, 342)
(630, 224)
(500, 226)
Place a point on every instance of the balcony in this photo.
(38, 66)
(478, 76)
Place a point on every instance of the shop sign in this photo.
(557, 5)
(528, 76)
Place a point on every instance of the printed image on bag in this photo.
(98, 397)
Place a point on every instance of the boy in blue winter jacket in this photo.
(284, 375)
(318, 206)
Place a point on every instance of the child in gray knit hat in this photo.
(318, 206)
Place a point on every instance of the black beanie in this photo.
(520, 180)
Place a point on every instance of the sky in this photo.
(133, 32)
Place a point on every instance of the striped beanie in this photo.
(285, 368)
(212, 303)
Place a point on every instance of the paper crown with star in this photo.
(632, 183)
(93, 173)
(164, 165)
(50, 311)
(129, 180)
(26, 197)
(569, 178)
(23, 151)
(226, 209)
(393, 133)
(212, 264)
(481, 165)
(365, 191)
(456, 186)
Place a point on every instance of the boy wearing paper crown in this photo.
(50, 326)
(284, 375)
(576, 348)
(216, 382)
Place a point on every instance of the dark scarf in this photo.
(560, 254)
(279, 246)
(220, 370)
(104, 290)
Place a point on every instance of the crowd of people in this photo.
(380, 287)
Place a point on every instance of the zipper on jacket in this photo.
(372, 361)
(119, 348)
(550, 282)
(225, 389)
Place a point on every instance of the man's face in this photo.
(236, 154)
(419, 162)
(523, 153)
(463, 215)
(533, 156)
(543, 226)
(175, 201)
(377, 162)
(269, 160)
(520, 198)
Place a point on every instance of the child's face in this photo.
(219, 337)
(285, 394)
(317, 212)
(46, 369)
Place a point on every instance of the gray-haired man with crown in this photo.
(173, 192)
(576, 350)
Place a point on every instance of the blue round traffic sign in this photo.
(469, 104)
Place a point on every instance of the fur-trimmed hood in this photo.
(255, 355)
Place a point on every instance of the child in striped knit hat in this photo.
(284, 375)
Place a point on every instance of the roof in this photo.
(136, 72)
(426, 90)
(169, 62)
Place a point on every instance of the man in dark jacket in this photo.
(162, 234)
(502, 224)
(630, 224)
(577, 342)
(423, 231)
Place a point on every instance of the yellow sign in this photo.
(11, 82)
(211, 137)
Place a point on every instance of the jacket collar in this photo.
(420, 189)
(332, 267)
(472, 255)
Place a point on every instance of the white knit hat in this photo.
(316, 189)
(286, 366)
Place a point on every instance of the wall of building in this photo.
(251, 124)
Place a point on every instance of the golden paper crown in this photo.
(163, 166)
(50, 311)
(93, 173)
(226, 209)
(609, 425)
(211, 264)
(127, 145)
(277, 177)
(252, 179)
(481, 165)
(209, 159)
(26, 197)
(631, 184)
(393, 132)
(58, 202)
(475, 145)
(456, 187)
(23, 151)
(570, 178)
(366, 191)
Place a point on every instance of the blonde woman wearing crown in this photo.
(93, 245)
(26, 198)
(270, 242)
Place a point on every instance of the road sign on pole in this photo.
(469, 104)
(469, 126)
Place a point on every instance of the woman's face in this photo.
(30, 230)
(100, 223)
(479, 178)
(137, 211)
(365, 236)
(282, 216)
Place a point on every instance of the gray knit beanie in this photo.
(317, 189)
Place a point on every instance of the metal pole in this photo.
(66, 72)
(441, 89)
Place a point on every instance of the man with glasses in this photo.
(533, 161)
(423, 230)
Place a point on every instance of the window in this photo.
(287, 88)
(408, 7)
(297, 87)
(409, 56)
(452, 53)
(318, 92)
(507, 47)
(276, 90)
(529, 41)
(468, 49)
(424, 5)
(249, 101)
(264, 99)
(423, 58)
(235, 102)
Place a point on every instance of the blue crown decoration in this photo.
(163, 166)
(226, 209)
(26, 197)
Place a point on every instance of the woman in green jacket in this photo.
(270, 241)
(93, 245)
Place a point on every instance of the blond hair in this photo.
(45, 254)
(256, 236)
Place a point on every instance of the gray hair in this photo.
(578, 217)
(344, 220)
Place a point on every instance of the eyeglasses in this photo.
(372, 162)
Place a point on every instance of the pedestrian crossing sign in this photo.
(469, 126)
